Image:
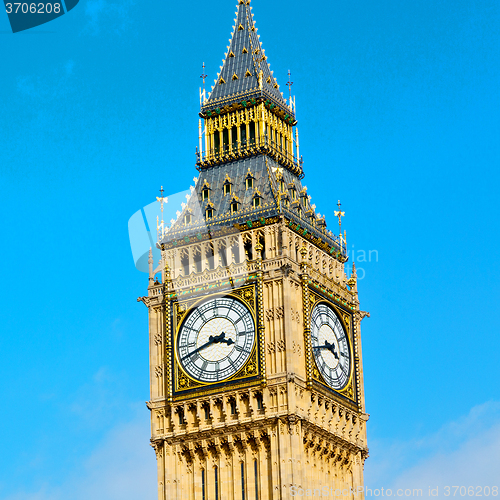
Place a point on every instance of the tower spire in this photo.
(245, 72)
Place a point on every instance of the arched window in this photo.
(242, 481)
(252, 133)
(235, 251)
(248, 249)
(226, 188)
(216, 142)
(203, 486)
(197, 259)
(256, 473)
(181, 416)
(216, 471)
(185, 264)
(259, 401)
(249, 180)
(243, 134)
(234, 137)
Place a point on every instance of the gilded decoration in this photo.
(348, 391)
(183, 382)
(212, 413)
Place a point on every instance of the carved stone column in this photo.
(306, 312)
(260, 307)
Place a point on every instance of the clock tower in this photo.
(254, 327)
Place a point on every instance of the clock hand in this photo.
(221, 339)
(327, 346)
(211, 340)
(331, 347)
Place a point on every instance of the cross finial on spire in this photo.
(203, 76)
(338, 213)
(289, 85)
(161, 225)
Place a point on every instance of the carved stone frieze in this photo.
(297, 349)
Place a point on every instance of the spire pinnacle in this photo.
(203, 76)
(161, 225)
(338, 213)
(289, 85)
(245, 72)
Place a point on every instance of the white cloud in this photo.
(465, 452)
(122, 467)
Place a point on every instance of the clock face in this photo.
(216, 339)
(330, 346)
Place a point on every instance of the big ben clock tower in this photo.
(255, 349)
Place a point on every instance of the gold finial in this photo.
(338, 213)
(161, 224)
(203, 76)
(289, 85)
(258, 249)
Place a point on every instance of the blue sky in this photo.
(398, 108)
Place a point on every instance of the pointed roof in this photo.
(245, 71)
(272, 183)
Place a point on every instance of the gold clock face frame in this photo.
(349, 392)
(184, 384)
(216, 339)
(330, 346)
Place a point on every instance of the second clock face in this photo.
(216, 339)
(330, 346)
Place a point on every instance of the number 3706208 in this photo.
(33, 8)
(471, 491)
